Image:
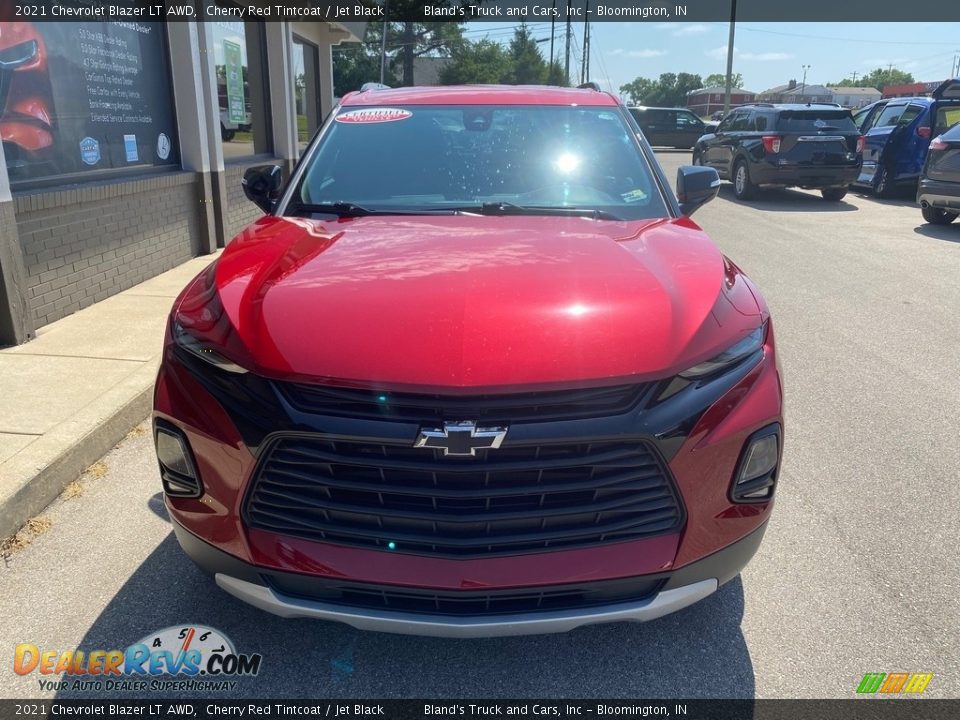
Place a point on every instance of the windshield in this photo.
(458, 157)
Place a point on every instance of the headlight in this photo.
(733, 355)
(13, 57)
(204, 351)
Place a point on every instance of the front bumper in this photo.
(257, 586)
(938, 194)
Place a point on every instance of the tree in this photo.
(484, 61)
(670, 90)
(878, 79)
(638, 90)
(527, 64)
(720, 80)
(409, 40)
(556, 76)
(356, 64)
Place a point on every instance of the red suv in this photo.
(475, 373)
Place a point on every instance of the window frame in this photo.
(264, 71)
(744, 116)
(111, 176)
(911, 106)
(691, 120)
(890, 106)
(311, 50)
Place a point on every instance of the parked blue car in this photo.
(897, 132)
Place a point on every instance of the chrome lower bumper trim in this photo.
(403, 623)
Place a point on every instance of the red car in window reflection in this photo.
(26, 102)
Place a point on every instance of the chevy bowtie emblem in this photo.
(460, 438)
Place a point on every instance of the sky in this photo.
(767, 54)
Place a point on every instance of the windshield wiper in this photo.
(508, 208)
(349, 209)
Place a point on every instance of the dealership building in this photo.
(124, 144)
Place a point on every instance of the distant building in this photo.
(854, 97)
(426, 70)
(920, 89)
(706, 101)
(794, 92)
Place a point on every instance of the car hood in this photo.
(473, 301)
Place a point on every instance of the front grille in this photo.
(511, 500)
(467, 602)
(514, 407)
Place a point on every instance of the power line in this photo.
(606, 73)
(845, 39)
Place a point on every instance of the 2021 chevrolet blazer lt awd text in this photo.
(474, 373)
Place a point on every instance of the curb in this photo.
(45, 467)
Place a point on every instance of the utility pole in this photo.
(566, 64)
(553, 23)
(383, 43)
(855, 73)
(803, 86)
(589, 49)
(729, 81)
(584, 61)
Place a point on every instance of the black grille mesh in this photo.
(516, 407)
(510, 500)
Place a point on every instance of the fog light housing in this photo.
(756, 476)
(178, 472)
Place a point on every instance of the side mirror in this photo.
(262, 184)
(696, 186)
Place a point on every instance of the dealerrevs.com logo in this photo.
(186, 658)
(894, 683)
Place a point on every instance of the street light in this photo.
(803, 86)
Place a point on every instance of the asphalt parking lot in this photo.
(858, 572)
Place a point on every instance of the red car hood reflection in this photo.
(468, 302)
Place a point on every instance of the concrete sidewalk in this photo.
(71, 394)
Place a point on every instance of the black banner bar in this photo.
(855, 709)
(482, 10)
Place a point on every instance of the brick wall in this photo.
(240, 211)
(90, 242)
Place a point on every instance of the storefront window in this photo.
(306, 88)
(238, 49)
(81, 98)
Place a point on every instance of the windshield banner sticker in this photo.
(373, 115)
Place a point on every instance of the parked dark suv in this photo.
(670, 127)
(814, 146)
(939, 191)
